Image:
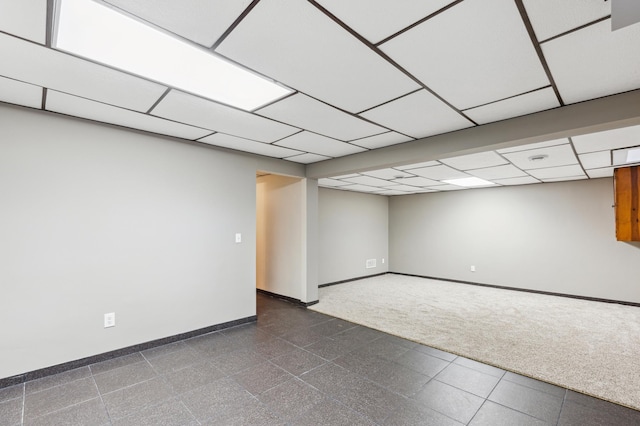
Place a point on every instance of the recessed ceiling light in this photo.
(538, 157)
(99, 33)
(469, 182)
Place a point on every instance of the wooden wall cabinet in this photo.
(627, 202)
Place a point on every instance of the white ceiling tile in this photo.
(331, 182)
(390, 192)
(378, 19)
(594, 61)
(596, 160)
(24, 18)
(552, 17)
(185, 108)
(609, 139)
(360, 188)
(418, 165)
(557, 172)
(528, 103)
(534, 145)
(19, 93)
(419, 114)
(317, 144)
(560, 155)
(368, 180)
(565, 178)
(525, 180)
(246, 145)
(600, 173)
(202, 21)
(403, 188)
(346, 176)
(439, 173)
(80, 107)
(387, 173)
(447, 188)
(307, 158)
(500, 172)
(295, 43)
(307, 113)
(416, 181)
(378, 141)
(474, 161)
(35, 64)
(481, 51)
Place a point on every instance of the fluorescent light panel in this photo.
(468, 182)
(99, 33)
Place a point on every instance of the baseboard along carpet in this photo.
(586, 346)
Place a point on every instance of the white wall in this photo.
(98, 219)
(353, 227)
(557, 237)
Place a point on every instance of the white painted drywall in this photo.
(557, 237)
(353, 227)
(97, 219)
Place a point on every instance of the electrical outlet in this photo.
(383, 260)
(238, 238)
(371, 263)
(473, 268)
(110, 320)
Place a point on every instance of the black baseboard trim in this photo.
(525, 290)
(352, 279)
(60, 368)
(286, 298)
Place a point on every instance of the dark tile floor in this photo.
(298, 367)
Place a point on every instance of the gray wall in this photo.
(353, 227)
(97, 219)
(557, 237)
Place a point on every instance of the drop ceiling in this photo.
(365, 74)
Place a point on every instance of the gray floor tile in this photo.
(298, 361)
(88, 413)
(331, 413)
(330, 349)
(163, 350)
(534, 384)
(328, 378)
(331, 327)
(387, 348)
(213, 345)
(194, 376)
(261, 377)
(436, 352)
(452, 402)
(469, 380)
(422, 362)
(238, 360)
(301, 337)
(248, 333)
(584, 410)
(250, 414)
(389, 338)
(11, 392)
(53, 399)
(168, 413)
(112, 364)
(124, 376)
(359, 334)
(209, 400)
(412, 413)
(175, 360)
(126, 401)
(274, 347)
(11, 412)
(291, 398)
(538, 404)
(57, 379)
(492, 414)
(483, 368)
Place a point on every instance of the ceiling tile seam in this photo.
(307, 152)
(155, 104)
(22, 38)
(388, 58)
(20, 81)
(20, 105)
(508, 97)
(275, 101)
(536, 45)
(415, 24)
(49, 23)
(288, 136)
(573, 148)
(509, 162)
(390, 100)
(242, 137)
(43, 104)
(588, 24)
(234, 24)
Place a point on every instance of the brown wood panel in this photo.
(627, 201)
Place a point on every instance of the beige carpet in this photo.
(590, 347)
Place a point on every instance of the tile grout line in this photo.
(24, 400)
(100, 396)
